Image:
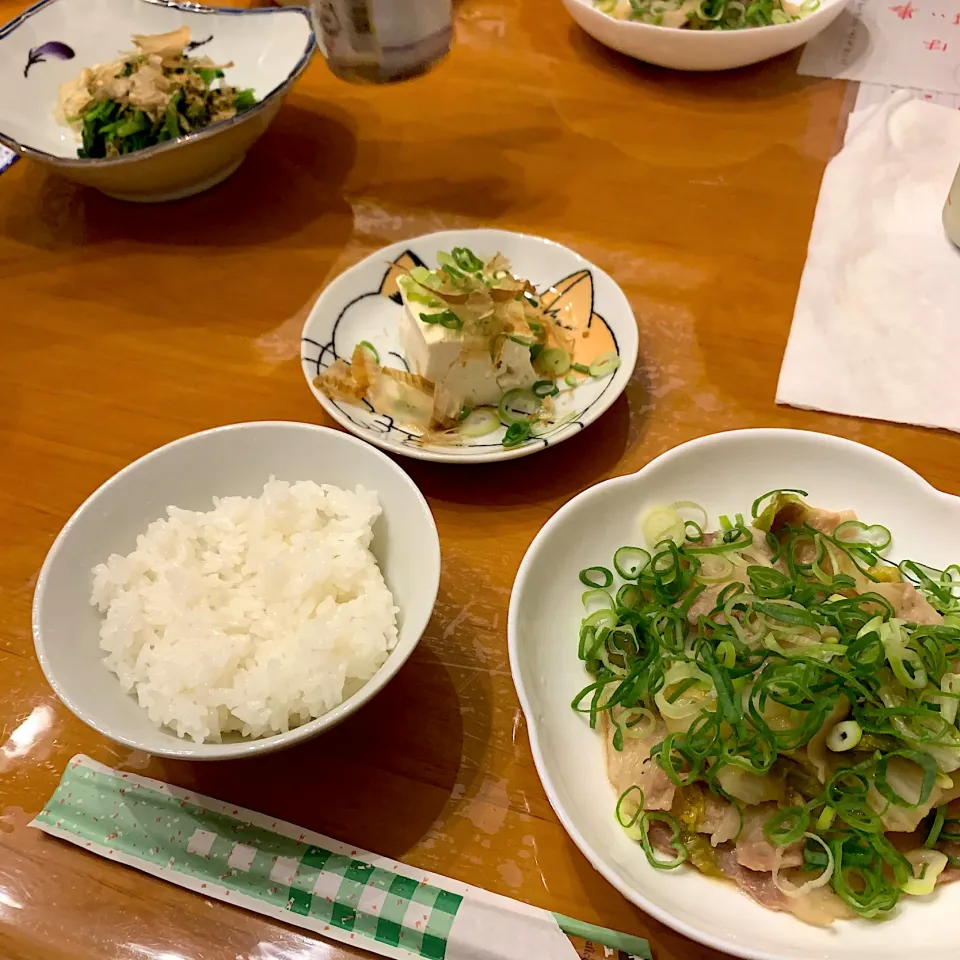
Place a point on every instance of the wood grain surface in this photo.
(125, 327)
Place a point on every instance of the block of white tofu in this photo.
(515, 368)
(434, 352)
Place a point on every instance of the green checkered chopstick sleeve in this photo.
(223, 854)
(276, 869)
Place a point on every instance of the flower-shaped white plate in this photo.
(364, 304)
(724, 473)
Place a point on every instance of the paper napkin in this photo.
(876, 330)
(905, 43)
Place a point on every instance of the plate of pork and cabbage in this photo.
(741, 667)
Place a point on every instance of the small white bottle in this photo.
(379, 41)
(951, 211)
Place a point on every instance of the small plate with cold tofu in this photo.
(471, 345)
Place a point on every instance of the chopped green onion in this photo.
(853, 533)
(776, 499)
(675, 842)
(604, 364)
(479, 422)
(726, 654)
(453, 272)
(630, 561)
(370, 348)
(628, 596)
(417, 296)
(927, 866)
(602, 619)
(598, 577)
(950, 687)
(545, 388)
(596, 599)
(923, 760)
(663, 523)
(633, 717)
(446, 263)
(519, 406)
(638, 813)
(554, 361)
(936, 827)
(786, 826)
(516, 434)
(446, 318)
(466, 260)
(844, 736)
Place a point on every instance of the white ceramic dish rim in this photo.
(249, 747)
(659, 913)
(714, 36)
(213, 129)
(628, 358)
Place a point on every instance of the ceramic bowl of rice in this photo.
(237, 591)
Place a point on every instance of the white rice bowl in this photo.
(255, 616)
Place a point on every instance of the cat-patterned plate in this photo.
(363, 304)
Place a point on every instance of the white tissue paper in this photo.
(876, 330)
(905, 43)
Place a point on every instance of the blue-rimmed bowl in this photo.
(54, 40)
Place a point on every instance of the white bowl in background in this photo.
(50, 43)
(724, 473)
(682, 49)
(232, 460)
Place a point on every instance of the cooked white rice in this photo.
(254, 616)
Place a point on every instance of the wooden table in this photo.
(125, 327)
